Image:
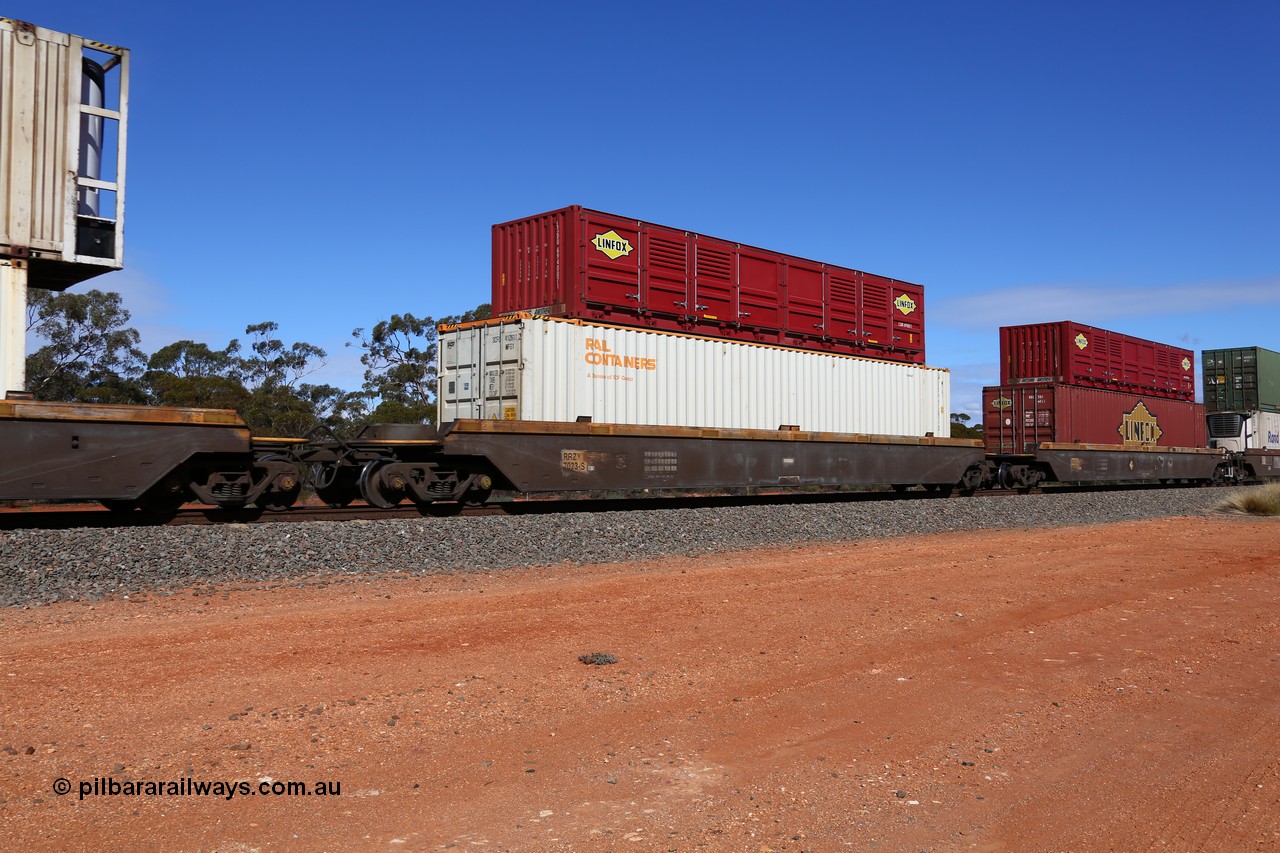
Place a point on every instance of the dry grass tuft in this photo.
(1259, 500)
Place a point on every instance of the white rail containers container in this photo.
(1264, 431)
(545, 369)
(64, 103)
(1238, 431)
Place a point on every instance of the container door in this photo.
(535, 263)
(712, 281)
(875, 308)
(610, 262)
(906, 307)
(1171, 376)
(1034, 418)
(1266, 375)
(805, 299)
(842, 306)
(1092, 356)
(497, 372)
(1242, 380)
(666, 271)
(457, 395)
(1037, 353)
(1017, 418)
(759, 290)
(997, 419)
(1210, 366)
(1138, 369)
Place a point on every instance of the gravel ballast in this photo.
(47, 566)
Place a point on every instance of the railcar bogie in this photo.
(386, 464)
(1258, 465)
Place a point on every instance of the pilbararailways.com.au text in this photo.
(188, 787)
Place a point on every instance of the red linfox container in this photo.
(1018, 418)
(1085, 355)
(587, 265)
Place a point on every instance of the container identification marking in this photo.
(905, 304)
(612, 244)
(1140, 428)
(1081, 341)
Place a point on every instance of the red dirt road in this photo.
(1104, 688)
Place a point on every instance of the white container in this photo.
(544, 369)
(1238, 431)
(1263, 431)
(63, 115)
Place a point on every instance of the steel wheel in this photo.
(162, 501)
(281, 499)
(476, 497)
(380, 488)
(333, 485)
(289, 487)
(481, 488)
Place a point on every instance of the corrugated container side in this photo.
(1264, 431)
(1018, 418)
(34, 67)
(583, 264)
(1076, 354)
(551, 370)
(1241, 379)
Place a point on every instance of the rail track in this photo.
(59, 517)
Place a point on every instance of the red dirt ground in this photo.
(1103, 688)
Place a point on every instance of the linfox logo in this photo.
(1002, 403)
(905, 304)
(1140, 428)
(612, 244)
(1081, 341)
(1186, 363)
(598, 352)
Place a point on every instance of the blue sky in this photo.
(1110, 163)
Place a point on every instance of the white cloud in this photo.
(1095, 302)
(149, 307)
(342, 366)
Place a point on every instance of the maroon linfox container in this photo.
(587, 265)
(1018, 418)
(1084, 355)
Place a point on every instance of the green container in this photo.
(1244, 379)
